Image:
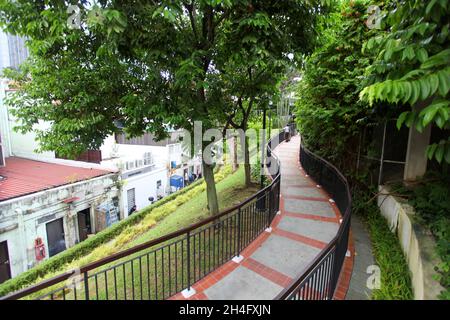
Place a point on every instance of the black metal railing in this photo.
(318, 281)
(163, 267)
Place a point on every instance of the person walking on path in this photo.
(287, 133)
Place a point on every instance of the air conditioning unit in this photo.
(130, 165)
(148, 158)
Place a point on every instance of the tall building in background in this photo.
(13, 50)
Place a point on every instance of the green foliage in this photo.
(395, 276)
(328, 110)
(255, 172)
(149, 65)
(412, 66)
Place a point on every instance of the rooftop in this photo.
(24, 176)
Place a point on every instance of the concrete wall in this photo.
(144, 180)
(24, 219)
(417, 245)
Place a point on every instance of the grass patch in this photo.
(231, 191)
(395, 275)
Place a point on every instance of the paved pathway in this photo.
(306, 223)
(358, 289)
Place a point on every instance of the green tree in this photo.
(146, 64)
(412, 66)
(267, 36)
(329, 112)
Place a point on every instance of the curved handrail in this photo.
(319, 279)
(267, 194)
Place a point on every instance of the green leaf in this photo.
(424, 88)
(419, 126)
(444, 81)
(434, 83)
(410, 119)
(402, 119)
(428, 114)
(408, 53)
(439, 121)
(439, 155)
(412, 74)
(407, 89)
(441, 58)
(415, 93)
(422, 55)
(430, 6)
(431, 150)
(447, 153)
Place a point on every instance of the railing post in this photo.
(270, 209)
(271, 198)
(336, 269)
(278, 194)
(188, 237)
(86, 286)
(239, 232)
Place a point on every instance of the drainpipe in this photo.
(22, 240)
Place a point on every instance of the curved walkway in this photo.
(307, 221)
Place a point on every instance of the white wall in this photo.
(18, 144)
(113, 154)
(25, 145)
(4, 51)
(145, 187)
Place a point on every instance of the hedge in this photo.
(85, 247)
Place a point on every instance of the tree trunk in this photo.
(245, 150)
(211, 193)
(233, 154)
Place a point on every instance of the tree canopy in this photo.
(147, 64)
(329, 110)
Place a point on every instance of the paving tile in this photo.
(309, 207)
(304, 192)
(287, 256)
(243, 284)
(319, 230)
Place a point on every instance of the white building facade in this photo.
(37, 226)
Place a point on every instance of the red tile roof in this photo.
(24, 176)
